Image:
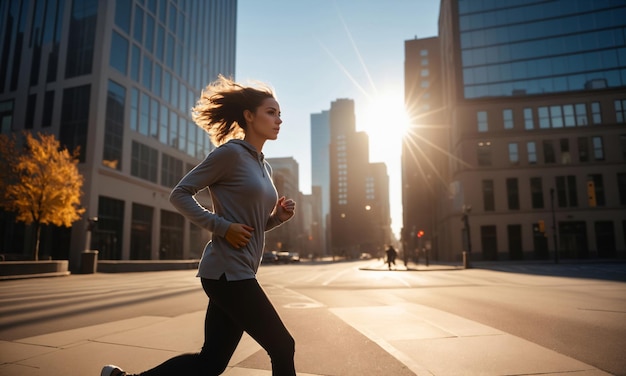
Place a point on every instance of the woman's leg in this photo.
(221, 336)
(246, 304)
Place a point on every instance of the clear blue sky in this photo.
(313, 52)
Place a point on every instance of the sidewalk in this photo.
(429, 342)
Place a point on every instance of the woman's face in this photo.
(265, 122)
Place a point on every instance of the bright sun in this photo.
(385, 121)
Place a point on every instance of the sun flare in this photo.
(385, 121)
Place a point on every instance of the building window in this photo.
(107, 237)
(119, 52)
(622, 143)
(569, 116)
(529, 121)
(596, 113)
(146, 79)
(424, 73)
(484, 153)
(507, 118)
(135, 62)
(548, 152)
(556, 116)
(598, 184)
(536, 193)
(620, 110)
(141, 232)
(171, 236)
(544, 117)
(423, 52)
(6, 117)
(114, 126)
(482, 121)
(48, 108)
(144, 114)
(581, 114)
(75, 119)
(531, 149)
(138, 24)
(513, 153)
(566, 192)
(122, 14)
(82, 36)
(425, 61)
(31, 104)
(144, 162)
(489, 203)
(583, 149)
(512, 192)
(621, 188)
(565, 155)
(171, 170)
(598, 148)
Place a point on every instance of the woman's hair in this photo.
(219, 111)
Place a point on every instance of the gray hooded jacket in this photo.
(242, 191)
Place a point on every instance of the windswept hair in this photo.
(219, 111)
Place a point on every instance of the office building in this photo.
(117, 79)
(289, 236)
(359, 191)
(320, 171)
(533, 96)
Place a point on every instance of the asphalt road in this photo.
(576, 310)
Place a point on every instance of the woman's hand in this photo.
(238, 235)
(285, 209)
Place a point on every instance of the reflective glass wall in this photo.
(524, 47)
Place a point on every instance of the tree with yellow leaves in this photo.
(41, 184)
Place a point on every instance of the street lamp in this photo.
(465, 218)
(556, 250)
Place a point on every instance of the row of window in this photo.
(193, 41)
(145, 165)
(579, 27)
(587, 149)
(151, 75)
(566, 190)
(108, 235)
(573, 242)
(492, 12)
(46, 29)
(554, 117)
(493, 65)
(596, 80)
(152, 119)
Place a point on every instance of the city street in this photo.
(348, 318)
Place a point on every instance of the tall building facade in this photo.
(424, 148)
(117, 79)
(288, 237)
(359, 191)
(320, 171)
(534, 98)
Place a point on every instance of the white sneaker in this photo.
(112, 370)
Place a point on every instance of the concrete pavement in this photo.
(428, 342)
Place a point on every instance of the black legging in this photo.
(234, 307)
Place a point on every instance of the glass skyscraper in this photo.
(518, 47)
(117, 79)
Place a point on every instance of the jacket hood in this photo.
(251, 149)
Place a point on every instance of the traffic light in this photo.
(420, 233)
(542, 226)
(591, 194)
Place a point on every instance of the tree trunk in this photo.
(37, 228)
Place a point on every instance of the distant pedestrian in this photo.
(391, 256)
(239, 119)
